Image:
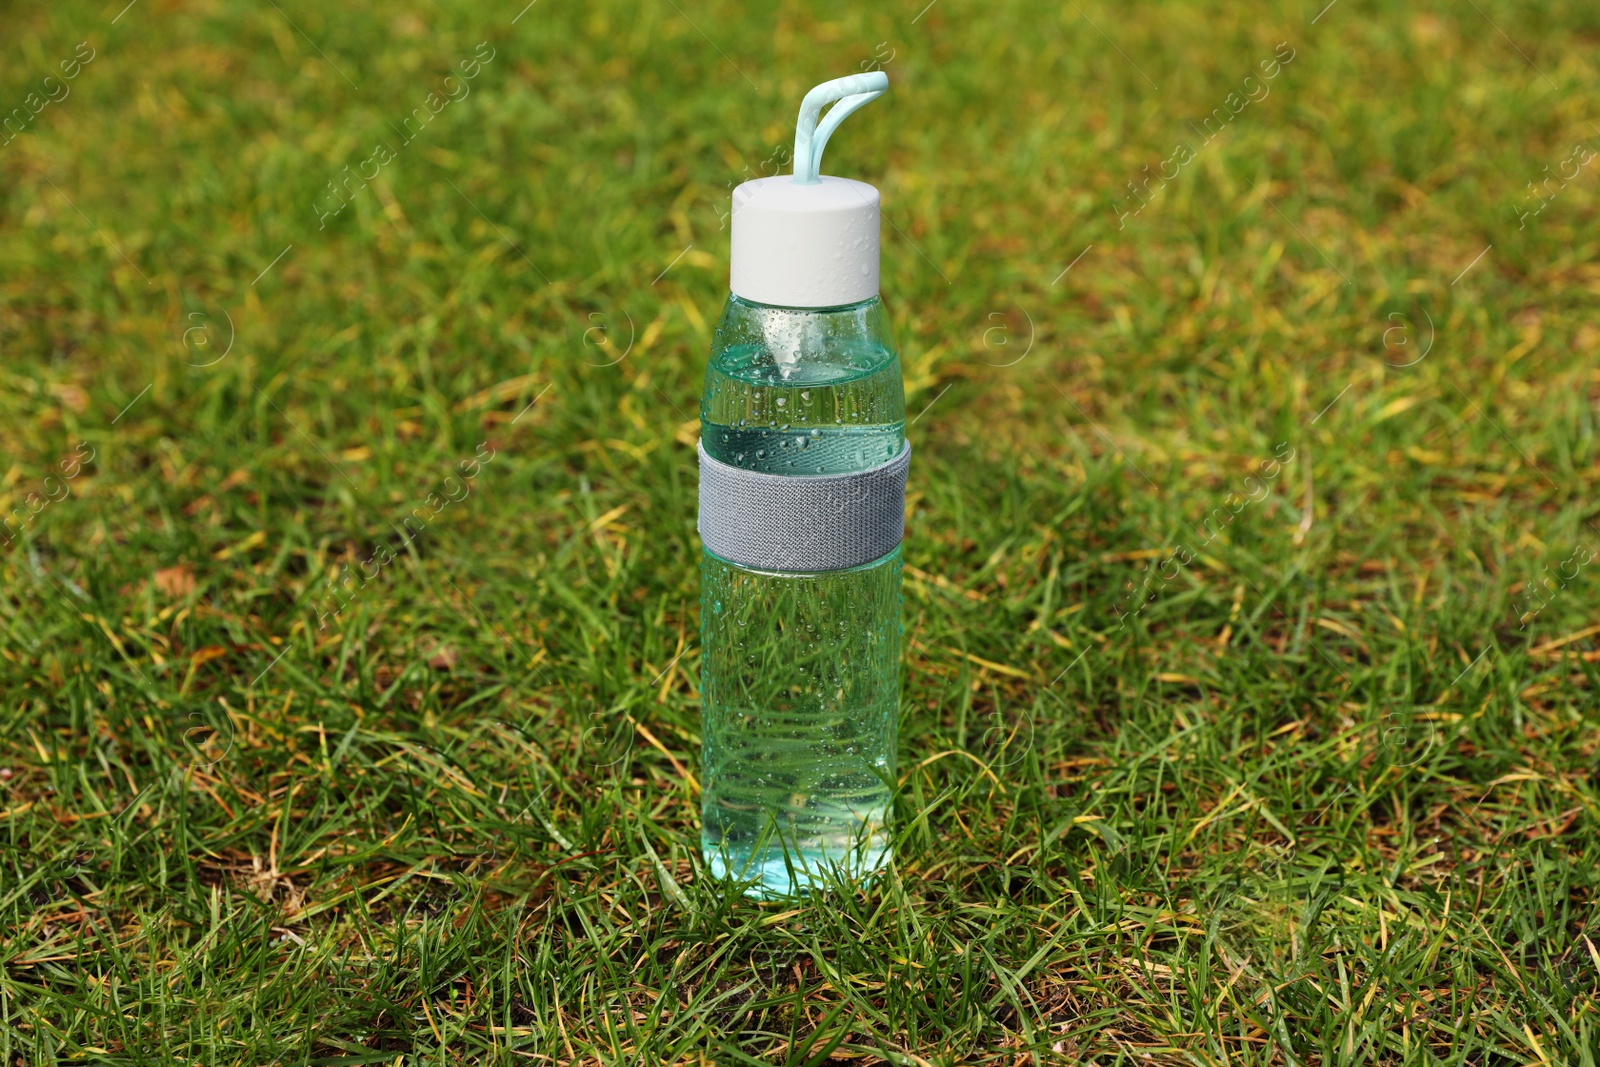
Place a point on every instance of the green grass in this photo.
(1327, 799)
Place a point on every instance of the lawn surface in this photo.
(1250, 687)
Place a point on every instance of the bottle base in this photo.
(780, 873)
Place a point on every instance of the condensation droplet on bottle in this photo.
(781, 401)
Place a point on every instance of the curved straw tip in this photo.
(872, 81)
(847, 94)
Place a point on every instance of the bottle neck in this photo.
(859, 305)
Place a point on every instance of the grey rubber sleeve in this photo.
(802, 522)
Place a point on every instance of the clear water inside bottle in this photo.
(801, 671)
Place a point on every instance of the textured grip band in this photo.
(802, 522)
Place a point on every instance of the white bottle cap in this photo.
(809, 241)
(805, 246)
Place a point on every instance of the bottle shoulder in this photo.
(763, 344)
(803, 391)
